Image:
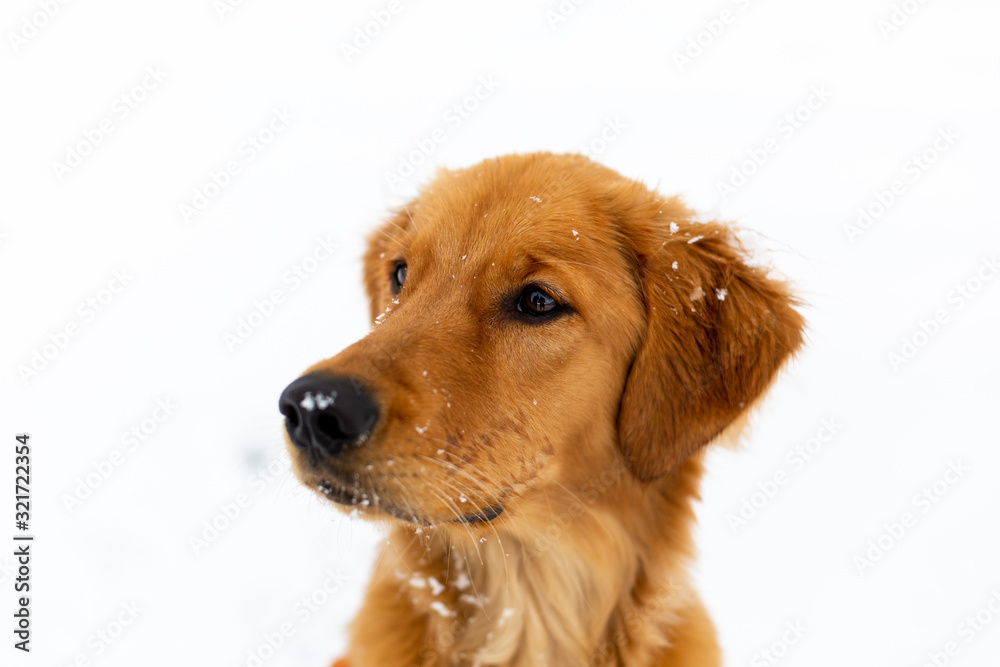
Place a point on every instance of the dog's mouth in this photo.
(355, 496)
(484, 516)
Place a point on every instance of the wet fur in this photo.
(588, 430)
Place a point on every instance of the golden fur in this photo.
(587, 429)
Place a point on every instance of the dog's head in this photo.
(537, 318)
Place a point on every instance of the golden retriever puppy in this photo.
(554, 345)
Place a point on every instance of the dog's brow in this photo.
(526, 264)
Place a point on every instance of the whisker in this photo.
(489, 524)
(391, 222)
(407, 209)
(443, 497)
(390, 237)
(447, 465)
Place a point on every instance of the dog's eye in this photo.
(537, 302)
(398, 277)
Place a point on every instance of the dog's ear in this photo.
(717, 332)
(385, 244)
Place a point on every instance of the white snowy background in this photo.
(684, 96)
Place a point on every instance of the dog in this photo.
(553, 347)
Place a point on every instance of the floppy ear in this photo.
(380, 256)
(717, 332)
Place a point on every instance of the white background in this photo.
(685, 128)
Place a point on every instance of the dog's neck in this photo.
(582, 585)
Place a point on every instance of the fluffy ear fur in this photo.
(717, 332)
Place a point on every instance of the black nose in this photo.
(326, 413)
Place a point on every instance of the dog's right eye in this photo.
(536, 302)
(398, 277)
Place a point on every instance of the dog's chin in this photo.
(370, 504)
